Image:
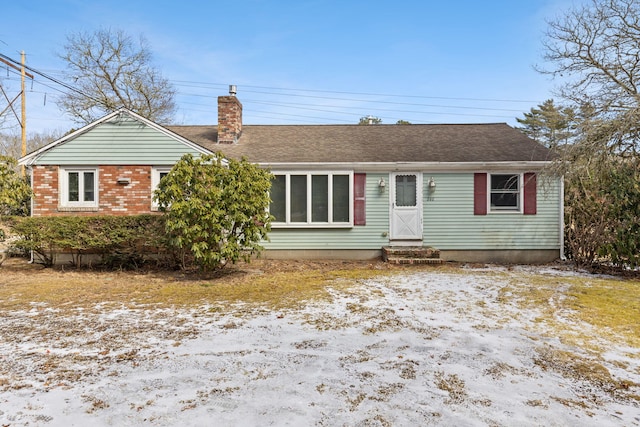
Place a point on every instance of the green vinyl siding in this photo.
(369, 236)
(122, 141)
(449, 222)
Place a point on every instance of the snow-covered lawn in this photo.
(427, 347)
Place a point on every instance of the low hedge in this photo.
(118, 241)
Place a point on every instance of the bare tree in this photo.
(11, 143)
(595, 50)
(111, 70)
(7, 119)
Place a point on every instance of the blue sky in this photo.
(307, 61)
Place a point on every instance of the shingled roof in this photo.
(493, 142)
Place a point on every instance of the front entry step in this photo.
(411, 255)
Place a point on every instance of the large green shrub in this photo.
(216, 208)
(119, 241)
(623, 186)
(15, 192)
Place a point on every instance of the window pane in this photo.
(298, 197)
(504, 200)
(505, 194)
(405, 190)
(341, 198)
(74, 187)
(319, 198)
(88, 187)
(278, 198)
(504, 182)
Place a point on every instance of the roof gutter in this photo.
(412, 166)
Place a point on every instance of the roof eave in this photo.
(412, 166)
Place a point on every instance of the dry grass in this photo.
(268, 284)
(564, 303)
(605, 303)
(579, 368)
(589, 312)
(611, 304)
(453, 385)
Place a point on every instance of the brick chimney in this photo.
(229, 117)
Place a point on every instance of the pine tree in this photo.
(549, 124)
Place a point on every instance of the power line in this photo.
(340, 109)
(197, 84)
(62, 87)
(53, 79)
(337, 109)
(223, 86)
(364, 100)
(398, 103)
(207, 84)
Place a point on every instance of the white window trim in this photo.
(155, 181)
(310, 224)
(520, 209)
(63, 190)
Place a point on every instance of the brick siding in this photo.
(113, 198)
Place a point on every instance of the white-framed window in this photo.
(78, 187)
(157, 173)
(505, 192)
(312, 199)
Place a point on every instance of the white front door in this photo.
(406, 206)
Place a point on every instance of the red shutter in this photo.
(530, 196)
(480, 194)
(359, 199)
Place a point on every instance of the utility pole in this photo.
(23, 98)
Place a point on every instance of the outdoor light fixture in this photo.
(381, 185)
(431, 184)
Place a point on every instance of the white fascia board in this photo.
(414, 166)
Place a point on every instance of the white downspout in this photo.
(30, 168)
(562, 256)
